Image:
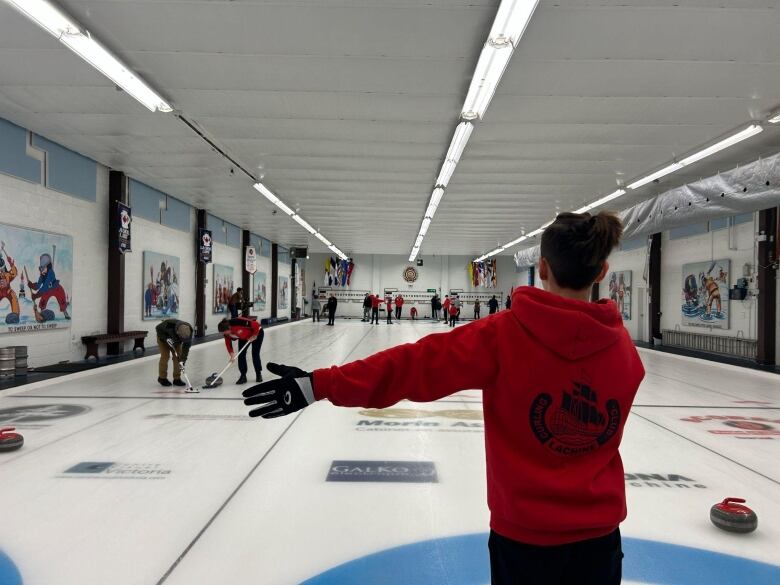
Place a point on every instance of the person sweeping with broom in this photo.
(245, 330)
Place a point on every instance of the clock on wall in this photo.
(410, 274)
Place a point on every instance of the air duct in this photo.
(745, 189)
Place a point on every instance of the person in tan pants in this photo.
(178, 334)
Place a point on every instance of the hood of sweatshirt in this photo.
(572, 329)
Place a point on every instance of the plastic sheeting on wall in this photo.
(746, 189)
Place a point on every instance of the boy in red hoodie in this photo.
(558, 374)
(446, 309)
(246, 330)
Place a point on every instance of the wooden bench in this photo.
(93, 341)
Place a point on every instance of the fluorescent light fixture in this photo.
(602, 201)
(268, 194)
(436, 196)
(512, 19)
(490, 67)
(459, 141)
(447, 169)
(305, 224)
(69, 33)
(775, 119)
(426, 223)
(323, 239)
(751, 130)
(656, 175)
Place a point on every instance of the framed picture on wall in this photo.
(284, 292)
(620, 292)
(260, 290)
(160, 295)
(705, 294)
(223, 288)
(36, 280)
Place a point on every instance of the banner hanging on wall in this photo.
(250, 259)
(123, 234)
(42, 300)
(705, 294)
(205, 246)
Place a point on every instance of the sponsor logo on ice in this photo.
(383, 471)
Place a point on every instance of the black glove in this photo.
(292, 391)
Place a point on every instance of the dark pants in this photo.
(375, 316)
(597, 561)
(398, 312)
(255, 349)
(453, 319)
(389, 316)
(331, 316)
(233, 311)
(434, 313)
(476, 313)
(315, 314)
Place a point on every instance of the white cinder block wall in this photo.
(33, 206)
(375, 272)
(705, 247)
(153, 237)
(226, 256)
(263, 265)
(633, 260)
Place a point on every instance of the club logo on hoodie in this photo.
(577, 425)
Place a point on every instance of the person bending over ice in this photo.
(246, 330)
(174, 338)
(558, 374)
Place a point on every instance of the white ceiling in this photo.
(348, 106)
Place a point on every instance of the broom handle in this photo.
(230, 362)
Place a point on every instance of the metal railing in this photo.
(722, 344)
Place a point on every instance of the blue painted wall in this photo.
(68, 171)
(13, 154)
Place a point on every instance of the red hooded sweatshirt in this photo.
(242, 328)
(375, 301)
(559, 377)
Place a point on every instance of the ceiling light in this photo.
(268, 194)
(601, 201)
(751, 130)
(426, 222)
(490, 67)
(436, 196)
(305, 224)
(459, 141)
(68, 32)
(323, 239)
(656, 175)
(512, 19)
(447, 169)
(775, 119)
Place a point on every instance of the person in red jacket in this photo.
(399, 303)
(376, 301)
(246, 330)
(389, 307)
(559, 374)
(445, 306)
(413, 313)
(453, 314)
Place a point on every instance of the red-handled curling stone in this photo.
(732, 516)
(10, 441)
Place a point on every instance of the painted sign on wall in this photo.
(161, 286)
(36, 280)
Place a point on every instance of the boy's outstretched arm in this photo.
(434, 367)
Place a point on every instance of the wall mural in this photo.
(223, 287)
(284, 292)
(161, 286)
(260, 295)
(705, 294)
(620, 292)
(36, 277)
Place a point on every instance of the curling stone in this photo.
(732, 516)
(10, 441)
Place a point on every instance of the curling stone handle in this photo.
(734, 501)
